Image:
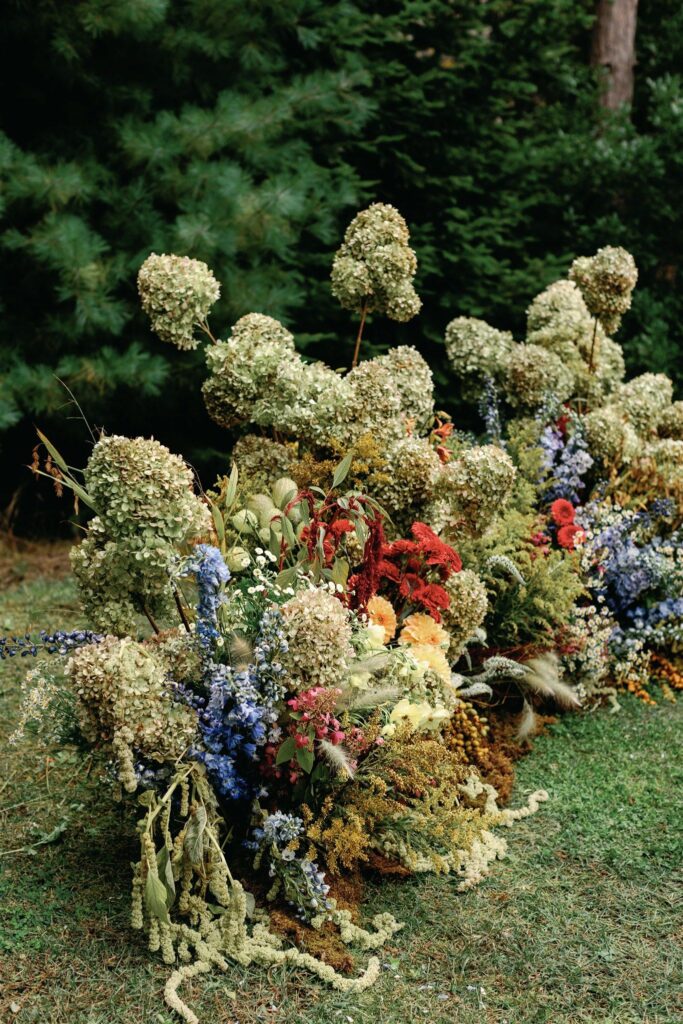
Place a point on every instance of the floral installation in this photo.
(308, 669)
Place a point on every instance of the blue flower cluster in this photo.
(47, 643)
(629, 567)
(241, 712)
(566, 461)
(637, 577)
(211, 573)
(303, 883)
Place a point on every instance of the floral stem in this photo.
(591, 361)
(181, 610)
(150, 619)
(203, 326)
(363, 314)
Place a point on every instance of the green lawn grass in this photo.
(578, 924)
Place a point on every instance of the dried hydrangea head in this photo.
(258, 377)
(475, 349)
(606, 281)
(477, 485)
(408, 480)
(413, 382)
(534, 375)
(140, 488)
(374, 403)
(466, 611)
(318, 633)
(375, 265)
(609, 368)
(558, 317)
(610, 437)
(177, 293)
(671, 422)
(666, 454)
(260, 462)
(118, 579)
(645, 400)
(247, 367)
(123, 693)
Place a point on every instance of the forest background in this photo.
(513, 135)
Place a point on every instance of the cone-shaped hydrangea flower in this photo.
(477, 485)
(645, 400)
(177, 293)
(475, 349)
(318, 634)
(534, 375)
(606, 281)
(140, 488)
(375, 265)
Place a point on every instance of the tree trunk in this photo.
(614, 39)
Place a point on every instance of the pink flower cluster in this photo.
(314, 710)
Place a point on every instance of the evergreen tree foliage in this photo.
(247, 135)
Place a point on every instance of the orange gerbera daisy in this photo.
(422, 629)
(381, 613)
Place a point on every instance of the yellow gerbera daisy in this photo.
(381, 613)
(421, 629)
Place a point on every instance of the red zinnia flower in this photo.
(562, 512)
(570, 535)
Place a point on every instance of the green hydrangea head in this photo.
(466, 611)
(611, 438)
(177, 293)
(559, 318)
(140, 488)
(413, 381)
(123, 692)
(409, 480)
(671, 422)
(645, 400)
(258, 363)
(376, 266)
(476, 486)
(118, 578)
(606, 281)
(318, 632)
(534, 375)
(476, 350)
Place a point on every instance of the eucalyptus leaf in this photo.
(288, 532)
(342, 470)
(194, 837)
(250, 904)
(219, 523)
(286, 578)
(275, 543)
(340, 571)
(165, 869)
(155, 897)
(231, 490)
